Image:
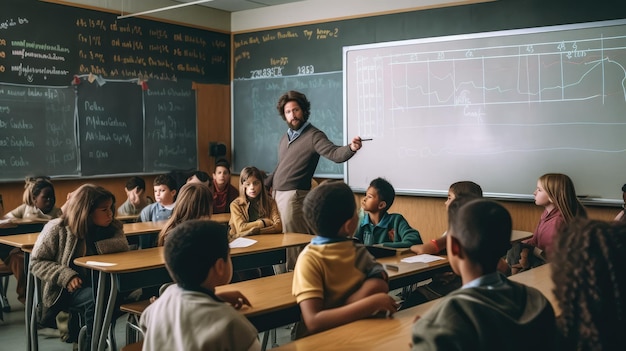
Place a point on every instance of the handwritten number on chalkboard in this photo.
(310, 69)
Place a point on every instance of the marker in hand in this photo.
(367, 139)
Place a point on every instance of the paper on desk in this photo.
(241, 242)
(101, 264)
(425, 258)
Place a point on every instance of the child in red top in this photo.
(556, 193)
(223, 192)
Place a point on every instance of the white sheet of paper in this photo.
(425, 258)
(241, 242)
(101, 264)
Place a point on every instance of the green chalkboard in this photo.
(47, 44)
(258, 127)
(51, 125)
(37, 131)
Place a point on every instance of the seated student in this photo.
(556, 193)
(589, 274)
(189, 315)
(336, 281)
(137, 197)
(194, 202)
(38, 200)
(161, 210)
(200, 177)
(254, 211)
(464, 188)
(223, 192)
(620, 216)
(165, 195)
(87, 228)
(381, 227)
(39, 203)
(489, 312)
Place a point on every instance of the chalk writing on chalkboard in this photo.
(111, 128)
(46, 44)
(37, 131)
(170, 140)
(519, 103)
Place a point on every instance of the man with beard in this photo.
(299, 151)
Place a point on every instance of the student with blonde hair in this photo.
(556, 193)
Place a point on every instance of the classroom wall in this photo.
(200, 16)
(309, 11)
(214, 101)
(427, 214)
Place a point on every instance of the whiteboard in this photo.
(498, 108)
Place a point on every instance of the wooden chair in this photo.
(134, 310)
(133, 347)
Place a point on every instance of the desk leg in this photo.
(103, 313)
(32, 343)
(96, 334)
(110, 310)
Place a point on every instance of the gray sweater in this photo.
(297, 161)
(56, 248)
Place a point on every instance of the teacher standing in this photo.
(299, 152)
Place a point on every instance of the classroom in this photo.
(256, 52)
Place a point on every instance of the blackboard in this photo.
(170, 138)
(37, 131)
(298, 51)
(111, 128)
(47, 44)
(499, 108)
(59, 128)
(93, 130)
(257, 126)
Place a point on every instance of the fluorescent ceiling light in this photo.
(163, 9)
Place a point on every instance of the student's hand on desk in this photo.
(385, 305)
(74, 284)
(254, 231)
(234, 298)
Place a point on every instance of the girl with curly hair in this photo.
(589, 274)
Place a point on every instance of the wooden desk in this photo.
(27, 241)
(221, 217)
(540, 278)
(273, 305)
(127, 218)
(141, 268)
(520, 235)
(22, 241)
(395, 333)
(383, 334)
(265, 250)
(140, 228)
(21, 226)
(411, 273)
